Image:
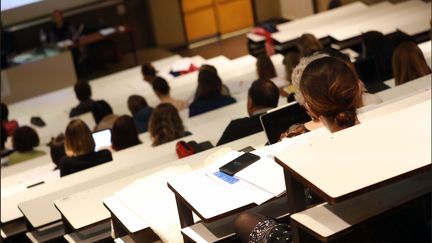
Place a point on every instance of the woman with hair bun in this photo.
(332, 94)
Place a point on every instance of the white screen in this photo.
(19, 11)
(102, 139)
(10, 4)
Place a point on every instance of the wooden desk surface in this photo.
(381, 152)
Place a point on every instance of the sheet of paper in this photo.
(265, 174)
(151, 192)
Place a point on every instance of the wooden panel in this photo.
(167, 22)
(38, 77)
(194, 5)
(233, 15)
(200, 24)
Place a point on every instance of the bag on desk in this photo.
(184, 149)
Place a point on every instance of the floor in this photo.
(231, 48)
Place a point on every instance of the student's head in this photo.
(165, 124)
(265, 68)
(57, 149)
(408, 63)
(124, 133)
(209, 85)
(290, 61)
(374, 42)
(82, 91)
(331, 92)
(208, 67)
(4, 112)
(136, 103)
(57, 17)
(377, 47)
(307, 44)
(78, 139)
(25, 139)
(298, 72)
(148, 72)
(263, 93)
(100, 109)
(161, 87)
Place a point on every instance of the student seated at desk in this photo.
(332, 94)
(225, 90)
(124, 133)
(57, 150)
(103, 115)
(79, 147)
(308, 44)
(208, 95)
(263, 95)
(24, 140)
(408, 63)
(162, 91)
(315, 123)
(140, 111)
(148, 72)
(83, 94)
(166, 125)
(9, 125)
(377, 50)
(266, 70)
(290, 61)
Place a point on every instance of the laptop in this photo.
(276, 121)
(102, 139)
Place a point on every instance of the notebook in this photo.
(278, 120)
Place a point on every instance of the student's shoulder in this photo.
(104, 153)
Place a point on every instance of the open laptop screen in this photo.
(278, 120)
(102, 139)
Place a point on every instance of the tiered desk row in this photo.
(129, 197)
(78, 200)
(350, 21)
(18, 180)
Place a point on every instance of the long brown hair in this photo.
(408, 63)
(78, 139)
(209, 85)
(124, 133)
(307, 44)
(165, 124)
(330, 89)
(265, 67)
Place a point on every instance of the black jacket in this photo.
(69, 165)
(240, 128)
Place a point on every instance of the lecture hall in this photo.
(249, 121)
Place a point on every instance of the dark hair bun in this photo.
(345, 118)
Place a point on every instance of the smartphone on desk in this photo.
(239, 163)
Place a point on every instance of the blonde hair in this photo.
(298, 72)
(78, 139)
